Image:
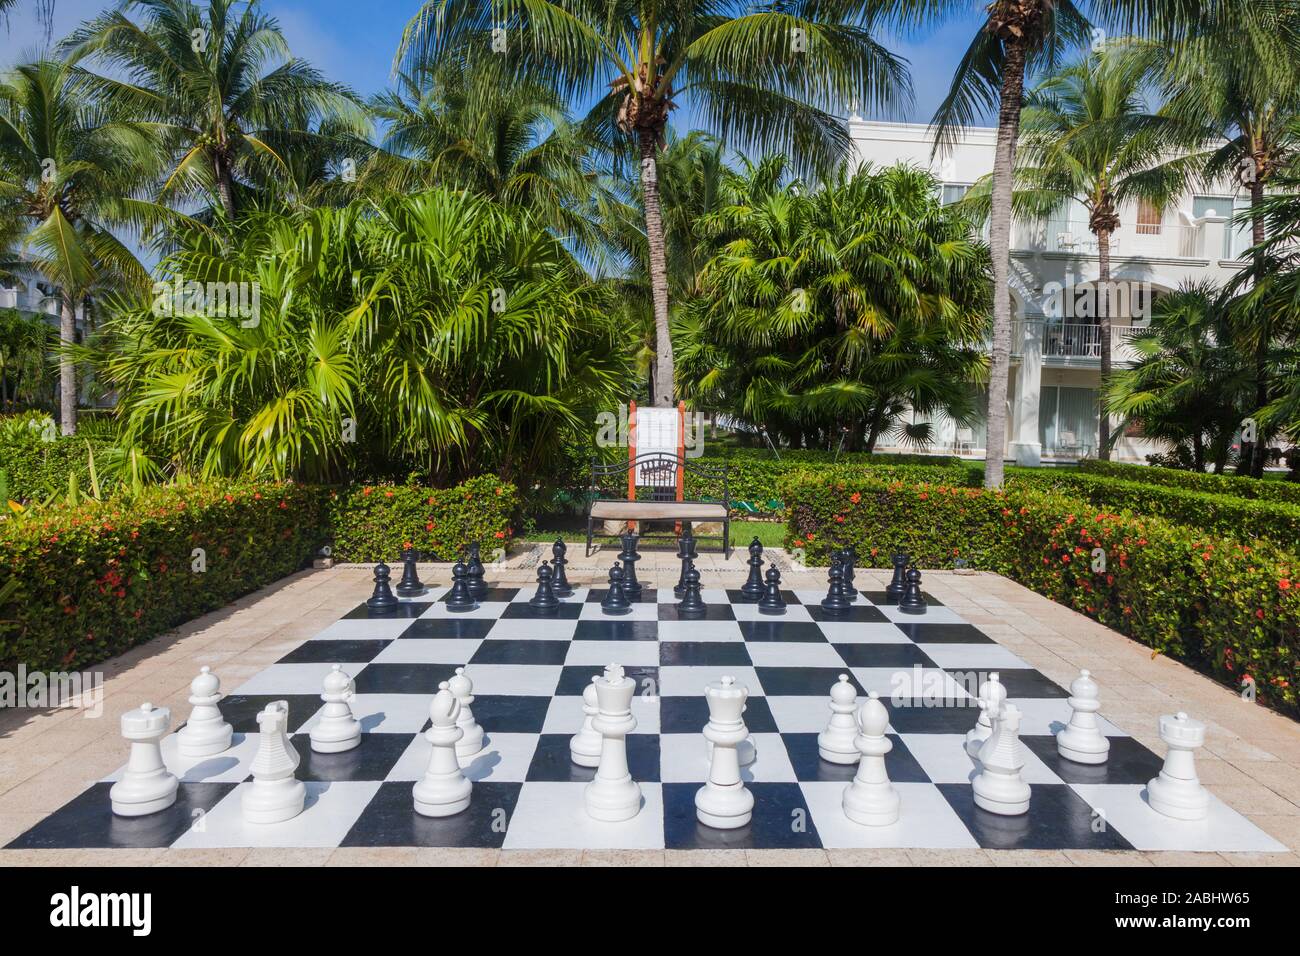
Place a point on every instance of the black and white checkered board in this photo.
(529, 670)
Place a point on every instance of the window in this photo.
(952, 192)
(1148, 221)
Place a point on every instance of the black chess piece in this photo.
(459, 597)
(836, 601)
(771, 602)
(544, 598)
(478, 588)
(692, 604)
(410, 585)
(382, 598)
(848, 558)
(615, 601)
(912, 602)
(629, 557)
(752, 589)
(560, 585)
(686, 554)
(894, 589)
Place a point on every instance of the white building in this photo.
(1055, 360)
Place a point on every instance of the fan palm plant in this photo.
(761, 75)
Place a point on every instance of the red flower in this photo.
(500, 534)
(1260, 614)
(1284, 584)
(855, 497)
(428, 526)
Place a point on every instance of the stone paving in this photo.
(1251, 759)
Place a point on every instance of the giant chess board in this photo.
(529, 669)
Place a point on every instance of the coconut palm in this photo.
(229, 100)
(761, 75)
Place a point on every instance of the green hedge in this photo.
(377, 521)
(1229, 609)
(1281, 492)
(36, 462)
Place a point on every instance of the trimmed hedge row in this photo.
(1229, 609)
(37, 465)
(1282, 492)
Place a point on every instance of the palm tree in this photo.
(229, 100)
(67, 179)
(761, 76)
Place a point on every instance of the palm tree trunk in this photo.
(1103, 322)
(1013, 81)
(1257, 234)
(67, 370)
(225, 187)
(665, 375)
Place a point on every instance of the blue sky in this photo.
(353, 41)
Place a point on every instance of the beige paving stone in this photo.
(15, 824)
(869, 858)
(622, 857)
(540, 858)
(456, 856)
(224, 856)
(708, 858)
(950, 857)
(300, 856)
(1107, 858)
(374, 856)
(786, 858)
(1261, 859)
(1284, 829)
(1185, 858)
(1029, 858)
(1253, 798)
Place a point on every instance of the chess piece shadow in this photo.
(371, 721)
(211, 767)
(482, 764)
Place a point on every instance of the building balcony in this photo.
(1070, 343)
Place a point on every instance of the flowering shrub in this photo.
(1228, 608)
(1280, 491)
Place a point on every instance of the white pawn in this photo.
(613, 796)
(145, 786)
(206, 732)
(1082, 740)
(471, 741)
(584, 746)
(999, 788)
(992, 696)
(871, 799)
(337, 729)
(274, 795)
(443, 790)
(724, 802)
(837, 742)
(1177, 792)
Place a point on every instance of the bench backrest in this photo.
(660, 475)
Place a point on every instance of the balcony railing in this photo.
(1071, 340)
(1159, 241)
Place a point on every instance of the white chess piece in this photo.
(443, 790)
(613, 796)
(1177, 792)
(992, 696)
(337, 729)
(275, 795)
(206, 732)
(724, 802)
(584, 746)
(837, 742)
(145, 786)
(1082, 740)
(999, 788)
(471, 741)
(871, 799)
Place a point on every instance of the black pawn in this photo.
(382, 597)
(836, 601)
(410, 585)
(560, 585)
(686, 554)
(615, 601)
(894, 589)
(848, 558)
(629, 557)
(691, 604)
(544, 598)
(771, 602)
(753, 589)
(459, 597)
(912, 602)
(474, 573)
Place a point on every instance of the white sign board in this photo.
(656, 432)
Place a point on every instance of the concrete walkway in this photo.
(1251, 759)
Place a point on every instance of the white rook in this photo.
(1177, 792)
(146, 786)
(613, 796)
(724, 802)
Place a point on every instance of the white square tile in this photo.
(944, 759)
(982, 656)
(925, 820)
(800, 715)
(911, 683)
(794, 654)
(627, 653)
(294, 678)
(847, 632)
(504, 757)
(384, 713)
(564, 716)
(523, 629)
(419, 650)
(364, 630)
(678, 681)
(700, 631)
(933, 614)
(1223, 830)
(523, 680)
(684, 758)
(330, 812)
(554, 816)
(750, 612)
(591, 611)
(488, 609)
(230, 766)
(1040, 716)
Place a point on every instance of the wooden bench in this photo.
(655, 483)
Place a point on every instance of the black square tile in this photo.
(735, 597)
(449, 628)
(241, 710)
(509, 714)
(775, 630)
(612, 629)
(944, 633)
(883, 655)
(1058, 819)
(575, 678)
(88, 820)
(780, 820)
(403, 678)
(688, 715)
(647, 596)
(1025, 682)
(704, 654)
(404, 609)
(859, 613)
(712, 612)
(809, 766)
(523, 611)
(878, 598)
(371, 759)
(801, 681)
(390, 819)
(314, 652)
(1128, 762)
(520, 652)
(552, 763)
(920, 715)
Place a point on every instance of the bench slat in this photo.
(654, 510)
